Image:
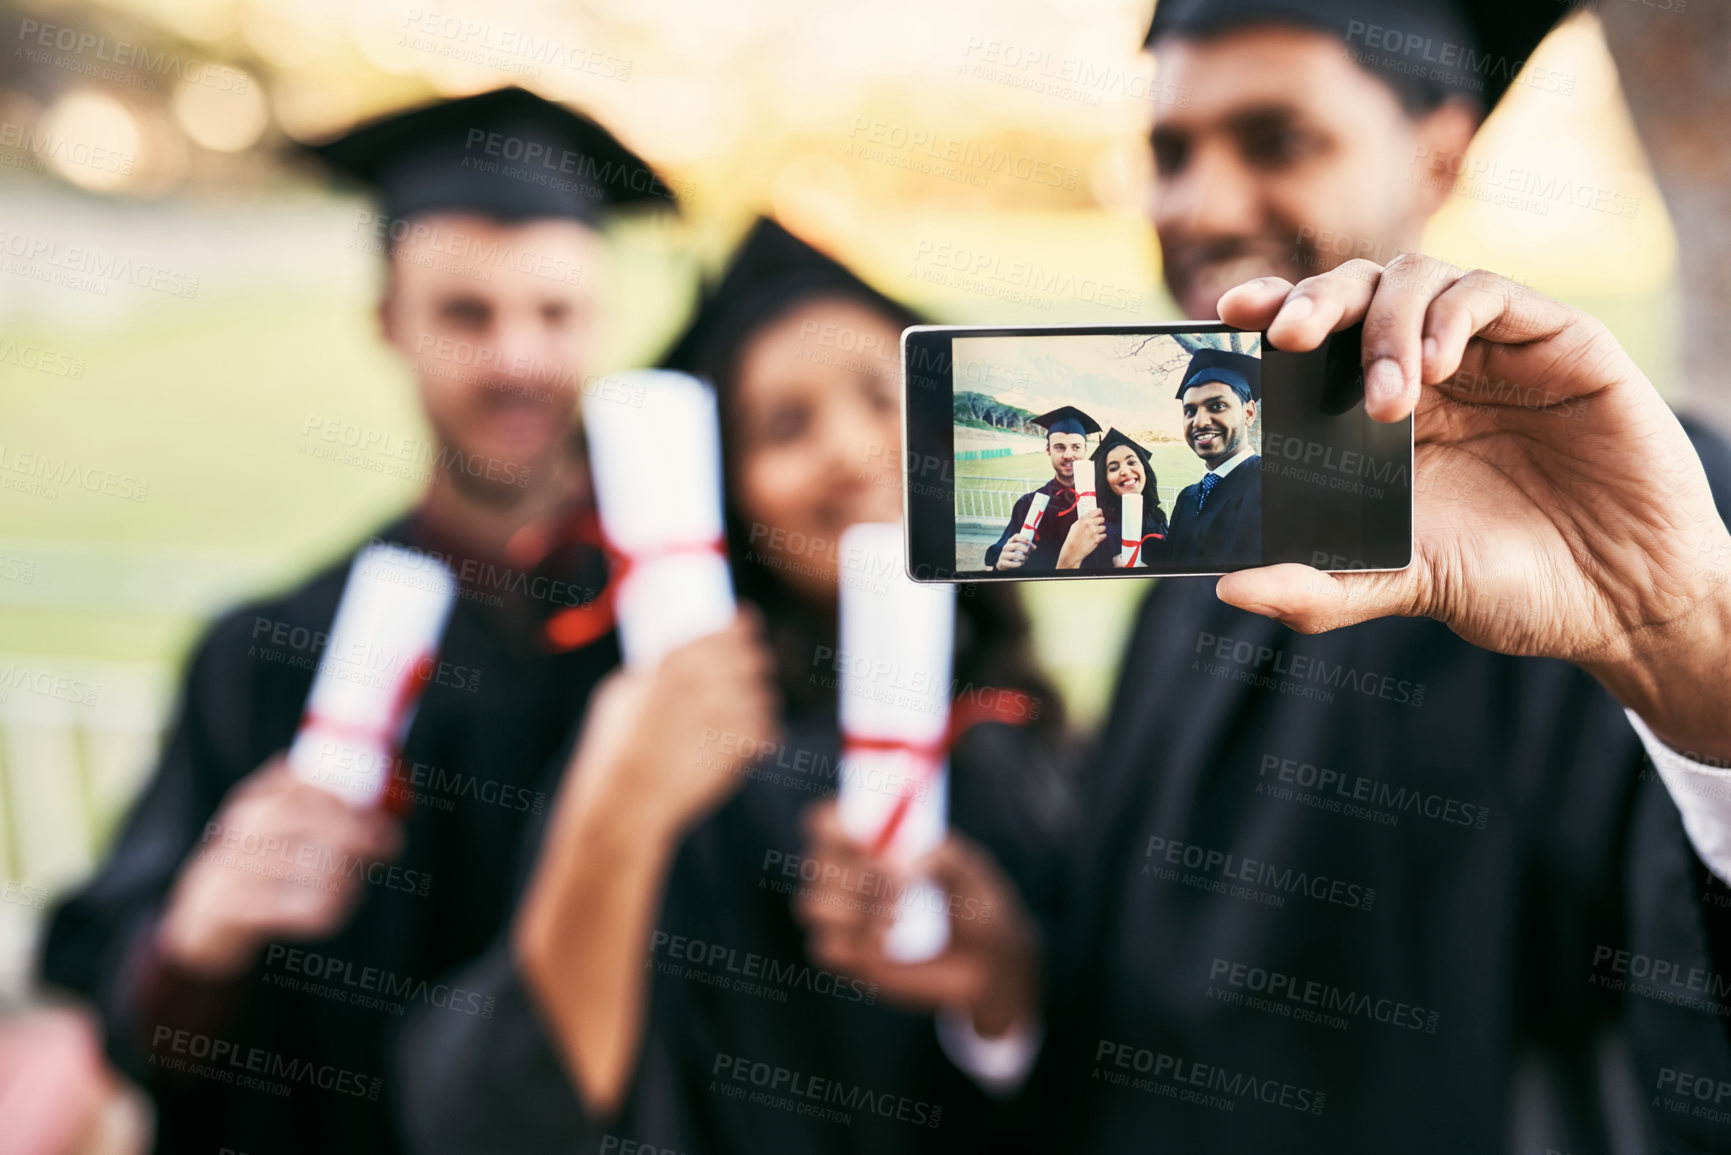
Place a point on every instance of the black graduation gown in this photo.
(317, 1022)
(1227, 533)
(733, 993)
(1055, 525)
(1334, 885)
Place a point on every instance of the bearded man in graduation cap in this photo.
(1067, 432)
(490, 210)
(1411, 883)
(1217, 522)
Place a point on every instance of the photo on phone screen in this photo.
(1123, 451)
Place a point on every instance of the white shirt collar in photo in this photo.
(1233, 462)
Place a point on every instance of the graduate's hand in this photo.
(275, 863)
(662, 748)
(1015, 553)
(991, 968)
(1083, 539)
(1559, 508)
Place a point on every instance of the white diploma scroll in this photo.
(383, 646)
(1036, 510)
(1085, 503)
(896, 651)
(672, 583)
(1130, 530)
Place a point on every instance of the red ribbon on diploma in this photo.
(1068, 508)
(1136, 556)
(1012, 707)
(577, 626)
(412, 682)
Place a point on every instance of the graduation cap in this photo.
(1241, 371)
(1111, 441)
(1427, 50)
(507, 154)
(771, 272)
(1067, 419)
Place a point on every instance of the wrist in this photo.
(1671, 675)
(1011, 992)
(200, 945)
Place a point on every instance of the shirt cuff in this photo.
(1702, 795)
(999, 1065)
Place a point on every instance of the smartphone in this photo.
(1099, 451)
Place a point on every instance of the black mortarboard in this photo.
(770, 272)
(1112, 440)
(1240, 371)
(1427, 50)
(508, 154)
(1067, 419)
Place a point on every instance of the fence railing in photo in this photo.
(991, 500)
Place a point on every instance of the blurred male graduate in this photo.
(252, 940)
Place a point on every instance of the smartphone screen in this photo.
(1144, 450)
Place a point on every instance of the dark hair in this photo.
(1420, 91)
(992, 631)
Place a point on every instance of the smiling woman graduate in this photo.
(1123, 468)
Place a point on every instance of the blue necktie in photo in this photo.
(1209, 481)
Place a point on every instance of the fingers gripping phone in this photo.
(1097, 451)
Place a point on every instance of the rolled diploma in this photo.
(1085, 503)
(677, 586)
(897, 646)
(1130, 530)
(387, 626)
(1036, 510)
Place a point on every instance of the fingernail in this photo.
(1295, 310)
(1430, 349)
(1384, 381)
